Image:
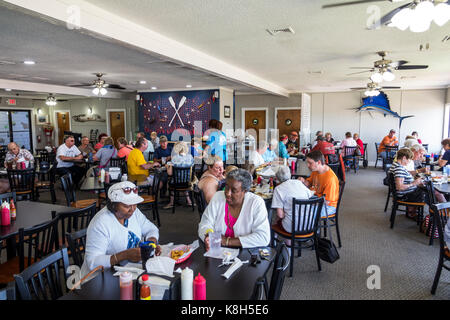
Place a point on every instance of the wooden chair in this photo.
(42, 280)
(33, 244)
(77, 245)
(390, 155)
(377, 145)
(47, 182)
(364, 158)
(69, 192)
(396, 202)
(199, 198)
(305, 223)
(73, 221)
(118, 163)
(441, 214)
(152, 200)
(280, 265)
(349, 157)
(433, 201)
(180, 181)
(151, 156)
(22, 183)
(334, 218)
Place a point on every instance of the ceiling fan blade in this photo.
(116, 86)
(391, 87)
(387, 18)
(362, 88)
(368, 68)
(411, 67)
(396, 64)
(82, 85)
(358, 72)
(348, 3)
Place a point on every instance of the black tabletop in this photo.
(92, 184)
(30, 214)
(4, 172)
(238, 287)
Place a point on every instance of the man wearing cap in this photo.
(389, 140)
(114, 234)
(292, 144)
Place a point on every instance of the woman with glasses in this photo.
(239, 215)
(211, 180)
(114, 234)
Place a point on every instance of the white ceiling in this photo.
(331, 41)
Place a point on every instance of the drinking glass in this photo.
(215, 239)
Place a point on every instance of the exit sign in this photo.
(11, 102)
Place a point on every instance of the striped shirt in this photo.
(400, 171)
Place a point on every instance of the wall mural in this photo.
(381, 104)
(164, 112)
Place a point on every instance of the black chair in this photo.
(152, 200)
(387, 168)
(441, 214)
(47, 182)
(199, 198)
(73, 221)
(69, 192)
(77, 245)
(42, 280)
(22, 183)
(180, 181)
(396, 202)
(350, 158)
(390, 155)
(425, 146)
(280, 265)
(151, 156)
(118, 163)
(32, 244)
(334, 218)
(377, 145)
(305, 223)
(433, 201)
(364, 158)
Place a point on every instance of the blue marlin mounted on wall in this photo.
(380, 103)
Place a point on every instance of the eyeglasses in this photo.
(128, 190)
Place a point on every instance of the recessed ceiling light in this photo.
(154, 88)
(143, 82)
(8, 89)
(29, 62)
(188, 86)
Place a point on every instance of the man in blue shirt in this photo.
(164, 152)
(444, 160)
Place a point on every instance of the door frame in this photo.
(55, 121)
(108, 124)
(286, 108)
(266, 109)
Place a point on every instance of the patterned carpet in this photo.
(407, 264)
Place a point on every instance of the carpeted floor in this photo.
(407, 264)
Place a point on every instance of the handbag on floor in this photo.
(327, 249)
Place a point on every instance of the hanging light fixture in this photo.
(99, 90)
(419, 15)
(50, 101)
(383, 74)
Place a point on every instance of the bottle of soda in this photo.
(145, 289)
(12, 210)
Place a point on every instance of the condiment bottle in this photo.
(13, 210)
(199, 288)
(6, 217)
(102, 175)
(187, 280)
(145, 289)
(126, 286)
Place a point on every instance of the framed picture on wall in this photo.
(227, 112)
(41, 119)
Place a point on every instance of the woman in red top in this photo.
(359, 143)
(101, 141)
(124, 148)
(416, 135)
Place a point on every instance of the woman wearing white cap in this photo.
(114, 233)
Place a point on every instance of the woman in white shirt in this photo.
(256, 155)
(114, 233)
(238, 214)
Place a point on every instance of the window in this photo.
(15, 125)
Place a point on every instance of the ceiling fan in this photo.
(50, 100)
(373, 89)
(100, 84)
(383, 68)
(416, 14)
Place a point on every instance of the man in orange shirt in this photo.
(323, 181)
(389, 140)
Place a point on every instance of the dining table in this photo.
(105, 286)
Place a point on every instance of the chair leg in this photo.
(376, 161)
(438, 275)
(175, 201)
(337, 232)
(156, 212)
(387, 200)
(431, 229)
(191, 195)
(291, 267)
(394, 212)
(316, 245)
(325, 227)
(53, 194)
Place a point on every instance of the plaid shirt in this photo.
(23, 154)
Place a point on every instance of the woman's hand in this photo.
(158, 250)
(134, 254)
(207, 242)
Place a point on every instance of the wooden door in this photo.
(63, 121)
(288, 121)
(255, 120)
(117, 124)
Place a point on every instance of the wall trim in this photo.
(55, 121)
(108, 124)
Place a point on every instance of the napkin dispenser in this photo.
(173, 293)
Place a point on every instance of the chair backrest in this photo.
(280, 265)
(365, 148)
(37, 241)
(77, 245)
(118, 163)
(21, 181)
(69, 190)
(155, 186)
(337, 166)
(181, 176)
(151, 156)
(441, 214)
(391, 180)
(7, 197)
(75, 220)
(425, 146)
(307, 215)
(390, 153)
(341, 193)
(377, 145)
(349, 151)
(199, 200)
(44, 156)
(430, 191)
(44, 277)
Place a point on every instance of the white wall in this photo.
(226, 99)
(332, 112)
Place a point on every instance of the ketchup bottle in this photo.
(6, 217)
(199, 288)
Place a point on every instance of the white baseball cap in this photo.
(116, 193)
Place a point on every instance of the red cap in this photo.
(145, 277)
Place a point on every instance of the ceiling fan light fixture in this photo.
(376, 77)
(103, 91)
(388, 76)
(50, 101)
(441, 14)
(96, 91)
(402, 19)
(424, 10)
